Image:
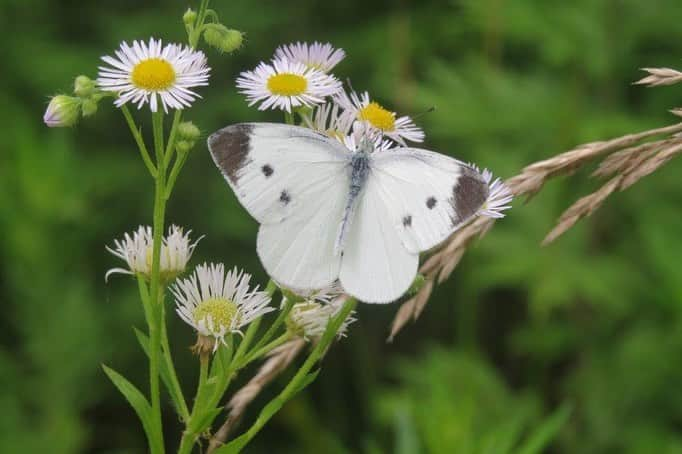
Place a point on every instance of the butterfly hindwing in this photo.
(376, 267)
(276, 170)
(299, 251)
(427, 195)
(294, 182)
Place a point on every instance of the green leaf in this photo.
(143, 339)
(544, 434)
(201, 422)
(307, 381)
(136, 400)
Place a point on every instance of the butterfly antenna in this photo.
(350, 85)
(427, 111)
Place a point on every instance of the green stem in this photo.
(299, 379)
(171, 137)
(198, 25)
(248, 337)
(139, 140)
(289, 118)
(270, 289)
(281, 317)
(175, 171)
(255, 354)
(189, 436)
(155, 281)
(168, 359)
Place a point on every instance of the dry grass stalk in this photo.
(627, 160)
(660, 76)
(278, 360)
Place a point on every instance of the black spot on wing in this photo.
(431, 202)
(267, 170)
(284, 197)
(468, 195)
(407, 221)
(230, 149)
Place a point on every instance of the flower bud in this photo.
(222, 38)
(189, 17)
(184, 146)
(89, 107)
(63, 111)
(188, 131)
(84, 86)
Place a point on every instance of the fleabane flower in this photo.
(316, 55)
(379, 119)
(137, 251)
(285, 85)
(152, 73)
(217, 303)
(499, 196)
(328, 120)
(353, 141)
(309, 318)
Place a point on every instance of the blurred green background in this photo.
(518, 337)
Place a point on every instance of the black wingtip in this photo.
(230, 148)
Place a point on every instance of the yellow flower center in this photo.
(377, 116)
(220, 310)
(153, 74)
(287, 84)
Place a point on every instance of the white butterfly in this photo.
(328, 213)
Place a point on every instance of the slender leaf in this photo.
(137, 400)
(544, 434)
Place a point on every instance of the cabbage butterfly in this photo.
(328, 213)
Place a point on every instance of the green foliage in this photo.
(593, 320)
(452, 403)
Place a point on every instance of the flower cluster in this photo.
(298, 81)
(136, 250)
(309, 318)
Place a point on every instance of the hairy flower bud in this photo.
(183, 146)
(189, 17)
(222, 38)
(188, 131)
(63, 111)
(84, 87)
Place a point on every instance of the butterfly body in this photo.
(359, 167)
(328, 213)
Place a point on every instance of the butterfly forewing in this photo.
(276, 169)
(294, 182)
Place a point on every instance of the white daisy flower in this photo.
(137, 249)
(217, 303)
(328, 120)
(499, 195)
(378, 118)
(309, 319)
(316, 55)
(286, 85)
(353, 140)
(148, 72)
